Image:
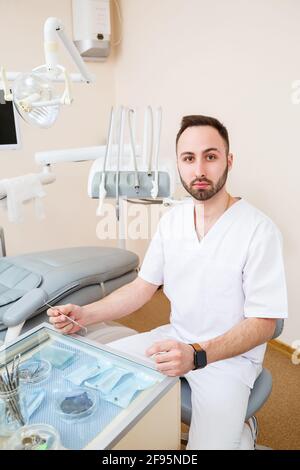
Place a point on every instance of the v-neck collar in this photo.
(223, 220)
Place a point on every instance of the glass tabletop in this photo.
(90, 393)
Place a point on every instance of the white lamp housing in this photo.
(91, 28)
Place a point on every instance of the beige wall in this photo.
(70, 214)
(236, 60)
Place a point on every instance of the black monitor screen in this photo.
(8, 128)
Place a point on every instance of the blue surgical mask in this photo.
(89, 371)
(144, 380)
(106, 381)
(33, 401)
(58, 357)
(124, 392)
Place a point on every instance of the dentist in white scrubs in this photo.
(220, 262)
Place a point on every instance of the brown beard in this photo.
(203, 194)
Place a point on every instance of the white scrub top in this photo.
(235, 272)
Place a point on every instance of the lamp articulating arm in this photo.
(53, 27)
(51, 70)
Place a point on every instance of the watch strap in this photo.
(196, 347)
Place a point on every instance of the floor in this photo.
(279, 418)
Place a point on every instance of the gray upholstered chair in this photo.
(259, 394)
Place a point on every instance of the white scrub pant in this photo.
(219, 400)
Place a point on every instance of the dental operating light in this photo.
(33, 93)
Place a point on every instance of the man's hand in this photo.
(61, 323)
(177, 358)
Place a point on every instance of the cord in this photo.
(118, 10)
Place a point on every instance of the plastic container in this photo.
(35, 437)
(34, 371)
(74, 404)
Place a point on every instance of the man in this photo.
(220, 262)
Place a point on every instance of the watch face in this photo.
(200, 359)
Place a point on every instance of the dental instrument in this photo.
(67, 317)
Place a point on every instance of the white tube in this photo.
(154, 190)
(131, 112)
(145, 138)
(148, 139)
(102, 189)
(120, 154)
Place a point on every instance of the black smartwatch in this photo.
(200, 359)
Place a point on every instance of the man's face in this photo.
(202, 161)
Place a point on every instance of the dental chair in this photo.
(258, 396)
(71, 275)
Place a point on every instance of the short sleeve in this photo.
(264, 282)
(152, 269)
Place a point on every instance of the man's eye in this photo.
(188, 159)
(211, 157)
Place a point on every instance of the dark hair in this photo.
(198, 120)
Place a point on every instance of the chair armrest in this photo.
(2, 243)
(279, 327)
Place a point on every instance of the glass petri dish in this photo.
(74, 404)
(34, 371)
(35, 437)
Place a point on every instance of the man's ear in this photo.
(230, 161)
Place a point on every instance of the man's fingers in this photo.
(52, 312)
(66, 330)
(60, 309)
(167, 366)
(160, 346)
(59, 322)
(163, 357)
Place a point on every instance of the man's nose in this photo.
(199, 169)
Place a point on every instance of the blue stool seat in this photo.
(259, 394)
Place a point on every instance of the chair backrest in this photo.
(279, 327)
